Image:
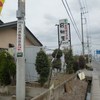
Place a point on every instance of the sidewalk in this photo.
(95, 88)
(95, 91)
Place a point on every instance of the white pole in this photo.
(20, 84)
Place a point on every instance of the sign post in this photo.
(20, 72)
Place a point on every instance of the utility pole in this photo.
(20, 84)
(88, 43)
(82, 33)
(69, 35)
(58, 36)
(88, 47)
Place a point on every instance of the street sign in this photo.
(97, 51)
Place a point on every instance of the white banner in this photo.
(63, 31)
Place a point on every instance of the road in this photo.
(96, 65)
(95, 81)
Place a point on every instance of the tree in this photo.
(82, 62)
(57, 53)
(76, 63)
(42, 67)
(56, 64)
(57, 61)
(69, 61)
(7, 68)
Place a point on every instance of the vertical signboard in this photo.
(63, 32)
(20, 38)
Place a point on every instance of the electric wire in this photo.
(82, 7)
(71, 20)
(80, 3)
(86, 4)
(84, 10)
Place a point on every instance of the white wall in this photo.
(30, 56)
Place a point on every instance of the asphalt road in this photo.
(96, 64)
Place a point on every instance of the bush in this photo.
(7, 68)
(56, 64)
(76, 63)
(42, 67)
(82, 63)
(69, 61)
(75, 66)
(57, 61)
(57, 53)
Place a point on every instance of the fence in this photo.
(54, 93)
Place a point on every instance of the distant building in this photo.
(8, 39)
(8, 35)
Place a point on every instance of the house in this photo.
(8, 35)
(8, 38)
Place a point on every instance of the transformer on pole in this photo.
(20, 69)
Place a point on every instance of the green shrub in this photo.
(57, 61)
(56, 64)
(82, 62)
(69, 61)
(7, 68)
(76, 63)
(57, 53)
(42, 67)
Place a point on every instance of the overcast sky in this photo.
(42, 15)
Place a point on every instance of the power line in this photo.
(96, 38)
(80, 4)
(71, 18)
(83, 6)
(95, 44)
(86, 4)
(84, 10)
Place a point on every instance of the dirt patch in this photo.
(76, 90)
(60, 77)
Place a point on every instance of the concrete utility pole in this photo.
(20, 84)
(82, 33)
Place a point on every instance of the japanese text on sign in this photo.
(63, 31)
(20, 37)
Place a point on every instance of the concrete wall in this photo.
(30, 56)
